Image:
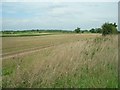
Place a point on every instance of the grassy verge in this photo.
(84, 63)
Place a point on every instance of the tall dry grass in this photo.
(83, 62)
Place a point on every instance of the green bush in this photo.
(109, 28)
(92, 30)
(77, 30)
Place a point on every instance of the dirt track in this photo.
(24, 52)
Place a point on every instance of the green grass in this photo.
(25, 34)
(89, 61)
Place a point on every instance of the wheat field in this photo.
(60, 61)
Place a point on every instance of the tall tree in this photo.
(92, 30)
(77, 30)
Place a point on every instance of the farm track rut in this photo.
(24, 52)
(28, 51)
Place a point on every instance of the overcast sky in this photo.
(60, 15)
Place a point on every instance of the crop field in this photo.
(59, 61)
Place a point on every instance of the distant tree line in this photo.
(35, 31)
(106, 28)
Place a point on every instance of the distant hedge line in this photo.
(106, 28)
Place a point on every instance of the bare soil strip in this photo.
(25, 52)
(28, 51)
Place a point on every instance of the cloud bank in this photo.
(49, 15)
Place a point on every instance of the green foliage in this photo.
(35, 31)
(77, 30)
(106, 28)
(32, 33)
(84, 31)
(7, 71)
(92, 30)
(96, 30)
(109, 28)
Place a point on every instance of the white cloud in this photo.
(57, 15)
